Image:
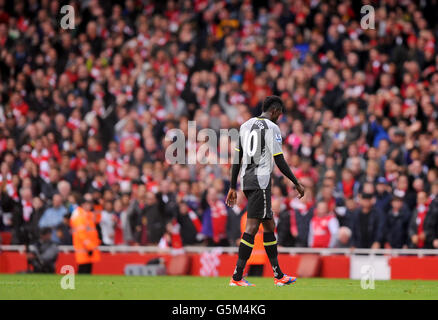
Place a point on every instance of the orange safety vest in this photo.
(97, 209)
(85, 236)
(258, 255)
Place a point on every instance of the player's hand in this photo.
(300, 190)
(231, 198)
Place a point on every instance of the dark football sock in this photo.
(270, 243)
(245, 249)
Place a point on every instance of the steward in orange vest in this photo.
(85, 237)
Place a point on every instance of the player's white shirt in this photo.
(259, 140)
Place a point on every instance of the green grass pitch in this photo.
(28, 286)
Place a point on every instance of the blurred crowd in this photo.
(84, 114)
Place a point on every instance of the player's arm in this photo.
(235, 168)
(285, 170)
(281, 163)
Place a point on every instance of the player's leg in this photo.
(245, 247)
(270, 243)
(254, 215)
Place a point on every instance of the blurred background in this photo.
(84, 113)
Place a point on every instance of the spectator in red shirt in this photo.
(324, 227)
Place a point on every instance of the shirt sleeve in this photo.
(276, 141)
(238, 154)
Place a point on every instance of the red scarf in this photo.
(347, 187)
(27, 210)
(10, 189)
(421, 215)
(195, 220)
(175, 235)
(118, 235)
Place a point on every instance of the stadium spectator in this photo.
(368, 224)
(43, 253)
(63, 232)
(136, 225)
(50, 187)
(190, 223)
(121, 206)
(344, 238)
(346, 214)
(383, 195)
(431, 220)
(286, 226)
(403, 191)
(25, 218)
(301, 214)
(108, 223)
(214, 219)
(53, 216)
(155, 216)
(348, 186)
(416, 232)
(397, 224)
(324, 227)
